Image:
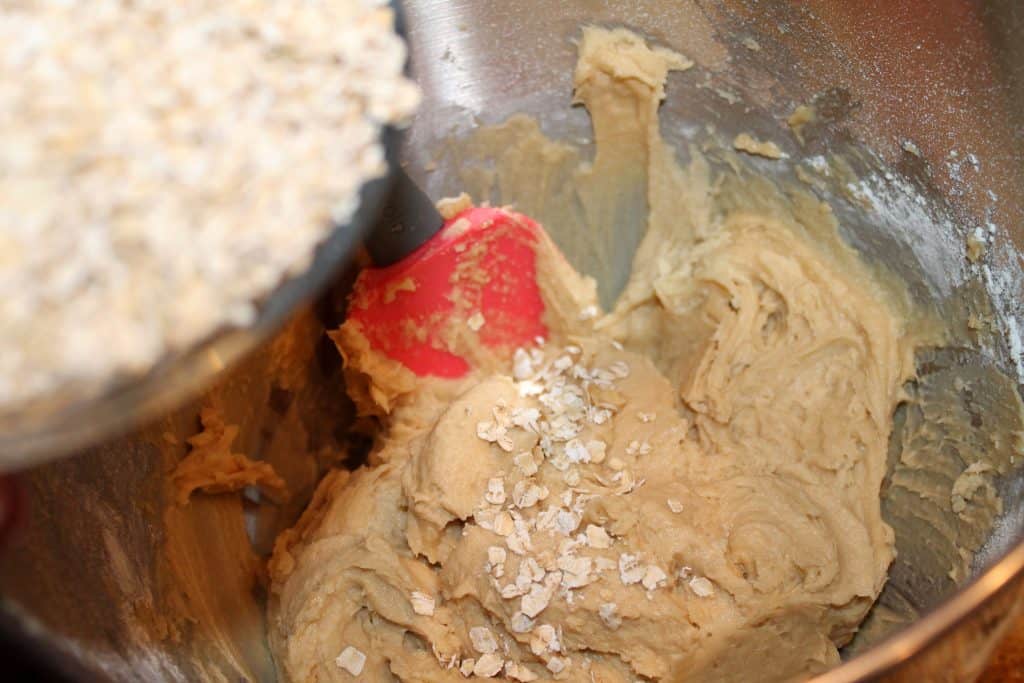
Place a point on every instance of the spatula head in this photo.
(475, 281)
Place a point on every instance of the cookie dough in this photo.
(212, 467)
(745, 142)
(685, 488)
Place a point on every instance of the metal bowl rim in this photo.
(918, 636)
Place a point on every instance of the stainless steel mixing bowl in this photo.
(926, 98)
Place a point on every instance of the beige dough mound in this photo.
(686, 488)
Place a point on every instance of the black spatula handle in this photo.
(408, 219)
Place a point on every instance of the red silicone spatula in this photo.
(478, 270)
